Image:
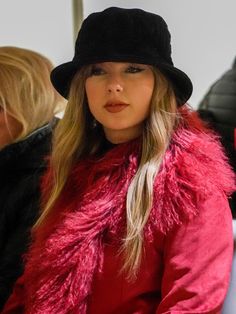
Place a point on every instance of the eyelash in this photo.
(96, 71)
(134, 69)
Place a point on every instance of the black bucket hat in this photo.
(123, 35)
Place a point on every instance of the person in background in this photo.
(135, 200)
(218, 108)
(28, 103)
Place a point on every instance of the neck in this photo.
(122, 136)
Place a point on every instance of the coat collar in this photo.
(15, 150)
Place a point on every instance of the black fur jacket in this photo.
(21, 166)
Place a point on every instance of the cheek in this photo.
(9, 129)
(143, 96)
(15, 127)
(4, 126)
(93, 87)
(5, 136)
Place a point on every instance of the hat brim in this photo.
(62, 75)
(181, 83)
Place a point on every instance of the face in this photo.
(119, 97)
(9, 128)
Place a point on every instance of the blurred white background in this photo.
(203, 31)
(42, 25)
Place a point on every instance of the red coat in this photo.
(186, 271)
(187, 260)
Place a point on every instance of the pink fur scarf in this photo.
(69, 249)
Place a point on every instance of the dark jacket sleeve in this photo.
(19, 216)
(15, 303)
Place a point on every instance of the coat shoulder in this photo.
(194, 167)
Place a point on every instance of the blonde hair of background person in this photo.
(26, 92)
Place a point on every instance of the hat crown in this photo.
(123, 35)
(116, 33)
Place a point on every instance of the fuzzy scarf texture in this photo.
(69, 250)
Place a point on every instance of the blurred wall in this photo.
(42, 25)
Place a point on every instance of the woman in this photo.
(135, 201)
(28, 103)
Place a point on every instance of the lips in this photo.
(114, 107)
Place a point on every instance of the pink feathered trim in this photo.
(69, 249)
(194, 167)
(61, 263)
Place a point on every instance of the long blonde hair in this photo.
(75, 138)
(26, 92)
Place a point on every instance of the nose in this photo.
(114, 86)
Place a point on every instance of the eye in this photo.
(134, 69)
(96, 71)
